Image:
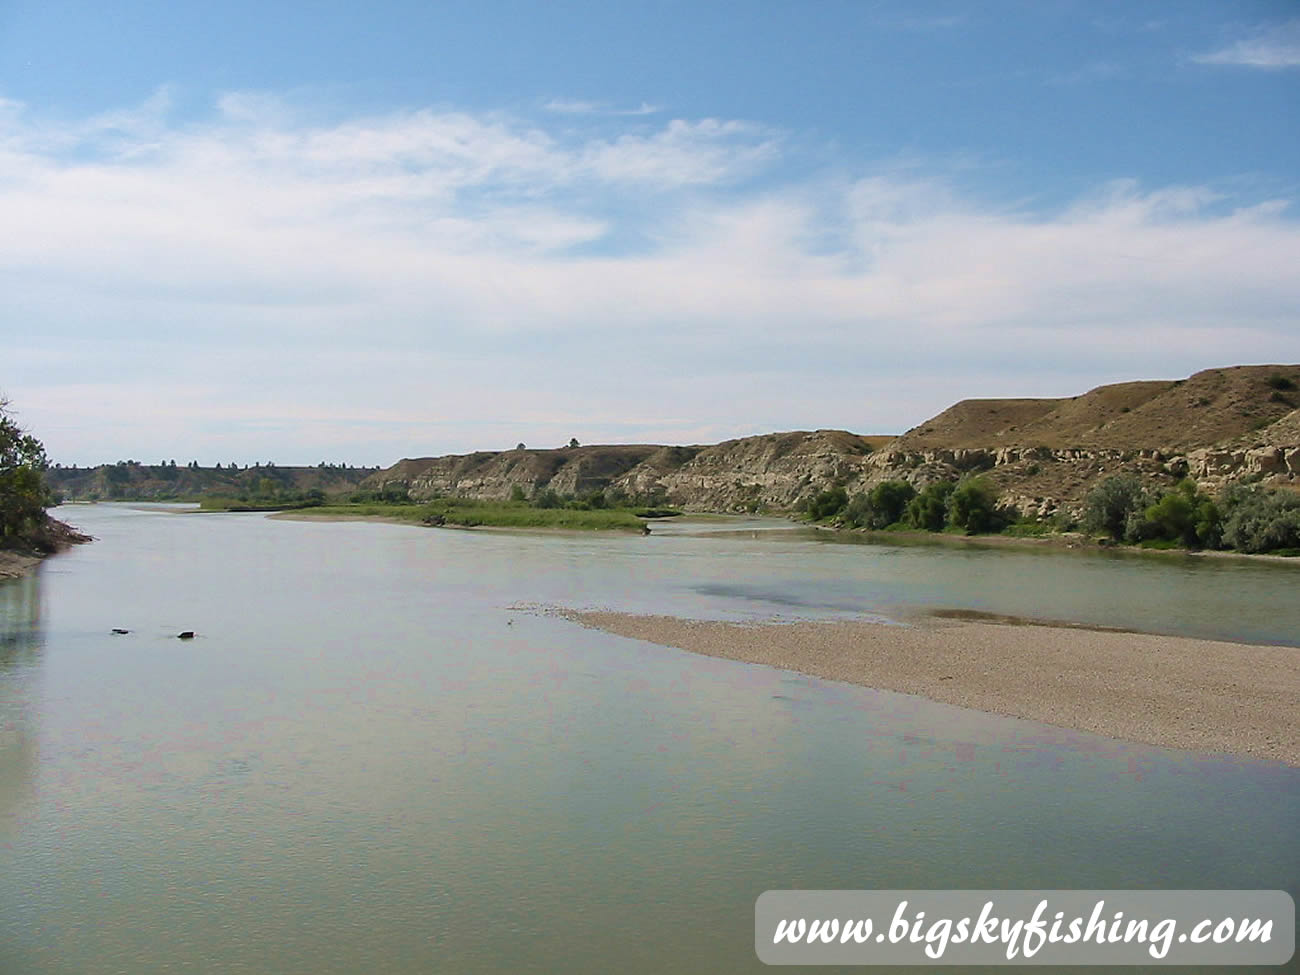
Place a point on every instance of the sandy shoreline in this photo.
(307, 515)
(13, 565)
(1201, 695)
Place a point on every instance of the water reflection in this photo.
(20, 617)
(20, 643)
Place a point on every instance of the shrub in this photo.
(547, 499)
(593, 500)
(857, 513)
(972, 507)
(1116, 507)
(882, 506)
(1173, 518)
(888, 502)
(928, 511)
(827, 504)
(1262, 521)
(1280, 382)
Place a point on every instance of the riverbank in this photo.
(53, 538)
(1200, 695)
(460, 513)
(1058, 541)
(16, 564)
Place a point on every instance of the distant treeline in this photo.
(652, 504)
(129, 480)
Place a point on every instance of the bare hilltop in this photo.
(1238, 423)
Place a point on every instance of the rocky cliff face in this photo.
(1218, 426)
(769, 471)
(495, 475)
(772, 471)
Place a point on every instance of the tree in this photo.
(573, 442)
(887, 503)
(23, 493)
(826, 504)
(546, 499)
(1115, 506)
(520, 446)
(973, 506)
(1186, 516)
(928, 511)
(1262, 521)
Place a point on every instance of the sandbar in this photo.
(1200, 695)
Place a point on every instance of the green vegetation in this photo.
(1262, 521)
(265, 495)
(548, 509)
(392, 493)
(972, 507)
(969, 506)
(928, 511)
(827, 504)
(1031, 528)
(467, 513)
(24, 495)
(1280, 382)
(1112, 505)
(1245, 518)
(885, 504)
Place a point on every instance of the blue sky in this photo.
(320, 231)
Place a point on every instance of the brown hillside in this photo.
(1209, 407)
(975, 423)
(1282, 431)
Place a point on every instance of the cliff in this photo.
(1217, 426)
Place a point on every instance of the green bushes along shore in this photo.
(1243, 518)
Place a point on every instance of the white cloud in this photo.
(417, 282)
(1273, 47)
(577, 106)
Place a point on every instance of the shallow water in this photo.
(369, 761)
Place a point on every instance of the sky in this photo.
(344, 232)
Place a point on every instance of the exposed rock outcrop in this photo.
(1218, 426)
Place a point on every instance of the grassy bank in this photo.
(464, 513)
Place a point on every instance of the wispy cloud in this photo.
(423, 281)
(569, 106)
(1274, 47)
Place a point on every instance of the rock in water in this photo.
(185, 635)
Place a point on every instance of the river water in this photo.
(373, 758)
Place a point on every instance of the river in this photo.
(376, 757)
